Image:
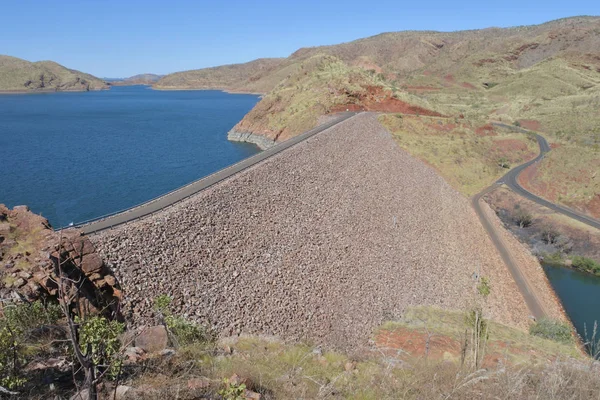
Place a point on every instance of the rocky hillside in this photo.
(17, 75)
(29, 254)
(318, 86)
(475, 57)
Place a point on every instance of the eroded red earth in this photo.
(416, 343)
(378, 99)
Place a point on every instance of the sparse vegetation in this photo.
(586, 264)
(183, 332)
(553, 330)
(458, 151)
(484, 288)
(522, 217)
(21, 325)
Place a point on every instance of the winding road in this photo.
(511, 181)
(177, 195)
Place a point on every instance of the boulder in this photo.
(153, 339)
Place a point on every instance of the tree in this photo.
(94, 339)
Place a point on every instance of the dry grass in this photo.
(21, 75)
(279, 370)
(468, 161)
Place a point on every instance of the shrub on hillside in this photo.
(183, 332)
(19, 322)
(552, 329)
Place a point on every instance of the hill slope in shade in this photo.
(17, 75)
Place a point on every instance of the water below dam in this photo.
(580, 296)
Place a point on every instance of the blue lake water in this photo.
(580, 295)
(76, 156)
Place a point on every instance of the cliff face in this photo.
(29, 254)
(18, 75)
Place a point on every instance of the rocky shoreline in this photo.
(261, 141)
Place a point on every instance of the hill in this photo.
(259, 76)
(544, 77)
(17, 75)
(141, 79)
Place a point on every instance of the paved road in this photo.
(511, 180)
(184, 192)
(535, 306)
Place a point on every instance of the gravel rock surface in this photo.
(323, 242)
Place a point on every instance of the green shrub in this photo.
(100, 337)
(232, 390)
(586, 264)
(484, 288)
(18, 321)
(185, 332)
(552, 329)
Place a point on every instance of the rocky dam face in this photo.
(323, 241)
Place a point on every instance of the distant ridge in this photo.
(17, 75)
(411, 57)
(141, 79)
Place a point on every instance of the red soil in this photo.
(531, 124)
(415, 343)
(420, 344)
(377, 99)
(486, 130)
(468, 85)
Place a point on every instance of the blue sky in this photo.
(122, 38)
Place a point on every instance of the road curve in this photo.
(510, 179)
(184, 192)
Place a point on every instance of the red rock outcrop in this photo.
(30, 253)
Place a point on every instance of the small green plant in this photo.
(99, 338)
(517, 123)
(552, 329)
(484, 288)
(503, 163)
(232, 390)
(184, 331)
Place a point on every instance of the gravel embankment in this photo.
(323, 242)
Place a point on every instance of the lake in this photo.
(76, 156)
(580, 295)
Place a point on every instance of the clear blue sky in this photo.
(122, 38)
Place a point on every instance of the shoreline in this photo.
(230, 91)
(261, 141)
(49, 91)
